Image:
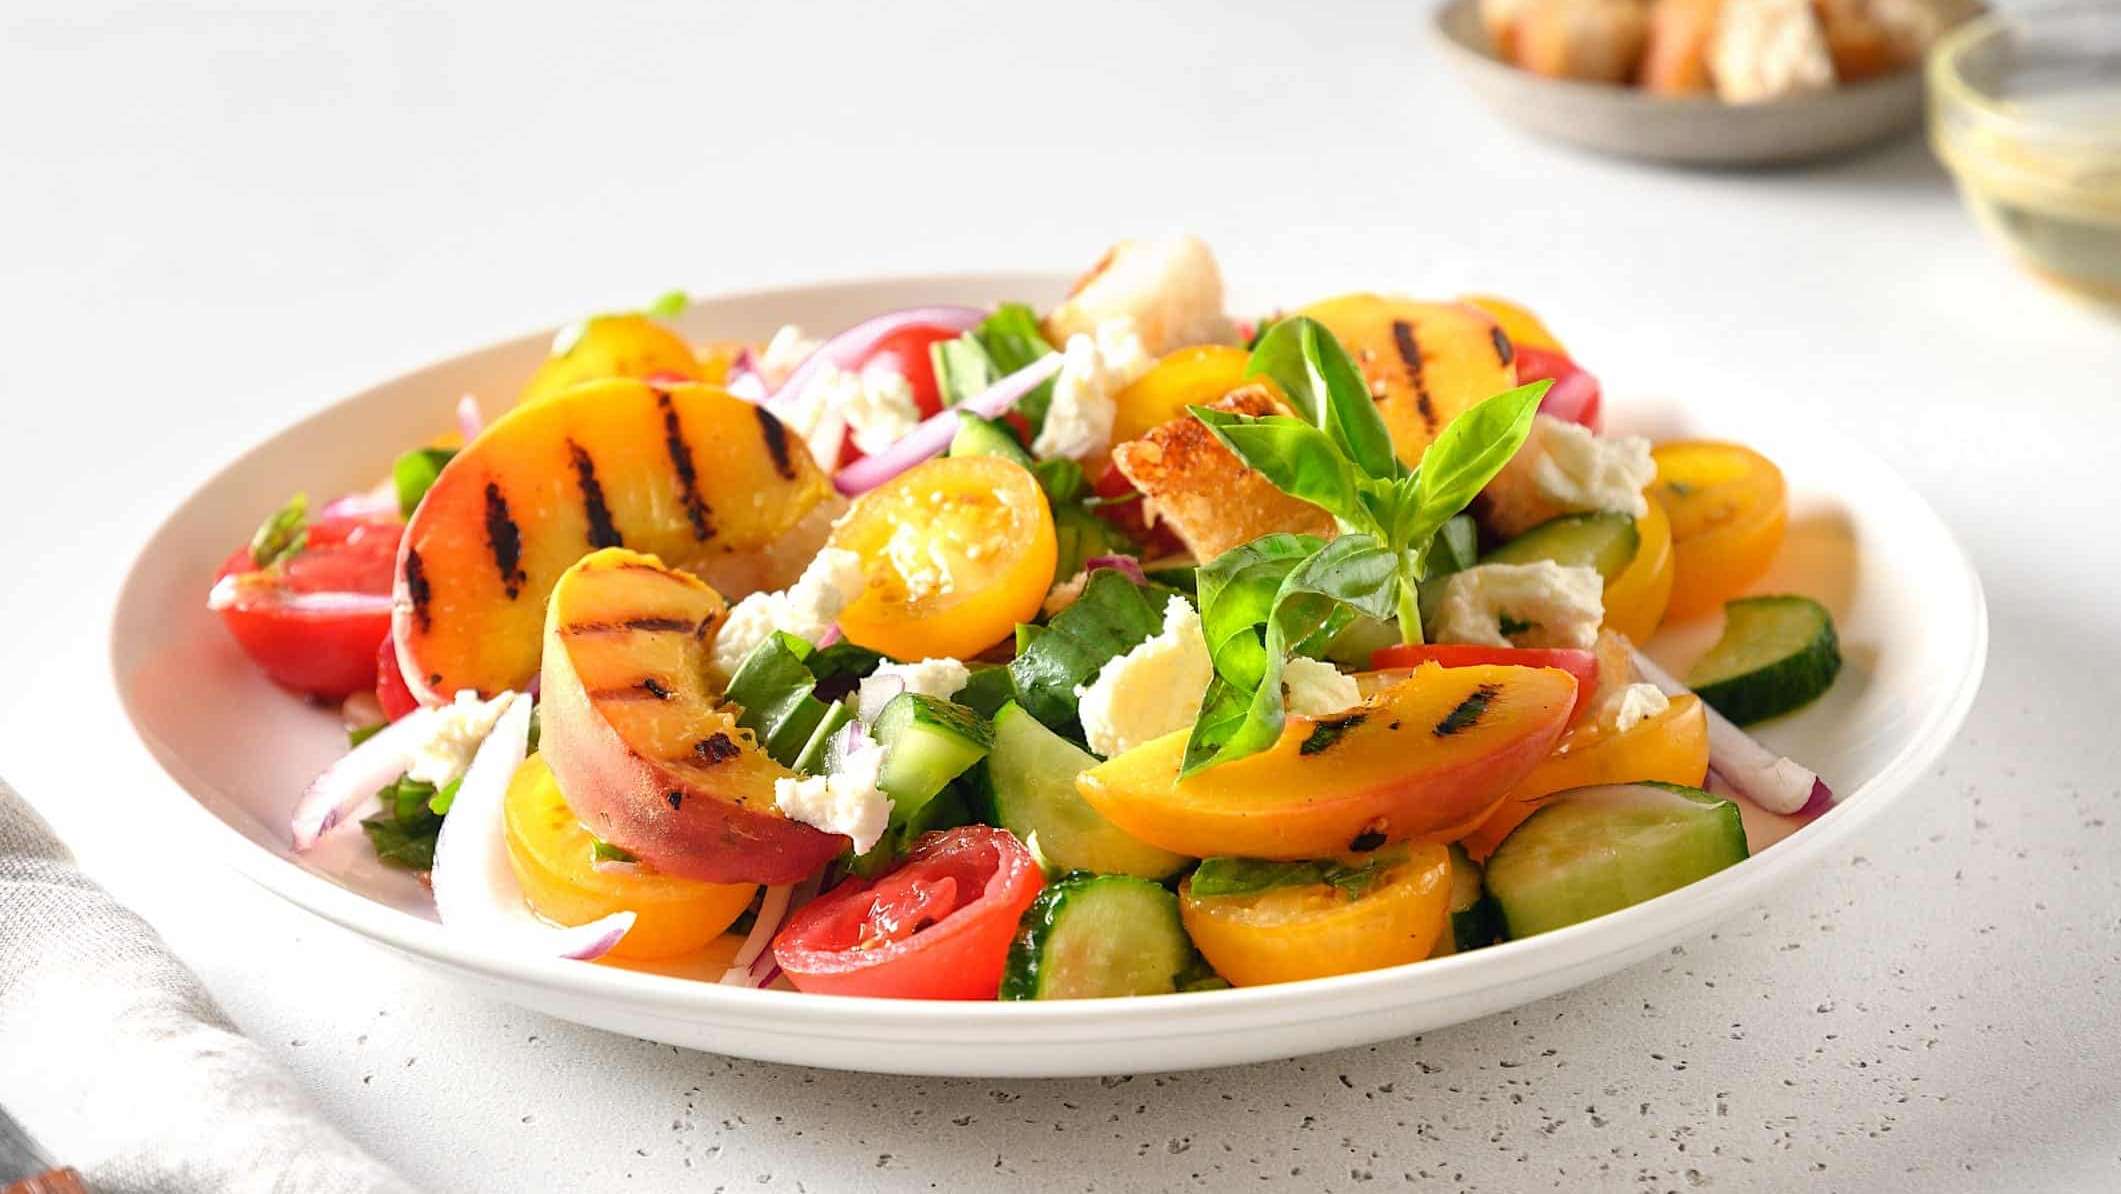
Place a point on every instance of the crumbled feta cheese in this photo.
(1094, 369)
(459, 728)
(1625, 708)
(805, 609)
(875, 406)
(1152, 690)
(1564, 468)
(1522, 605)
(943, 678)
(1315, 688)
(844, 800)
(788, 349)
(1170, 287)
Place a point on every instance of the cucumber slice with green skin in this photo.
(811, 759)
(1030, 783)
(1776, 654)
(1596, 850)
(1474, 921)
(986, 437)
(928, 742)
(1100, 936)
(1605, 541)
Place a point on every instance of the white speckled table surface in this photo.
(216, 218)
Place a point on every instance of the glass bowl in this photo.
(2025, 111)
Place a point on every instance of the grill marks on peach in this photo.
(602, 531)
(697, 512)
(419, 590)
(504, 539)
(1409, 350)
(1468, 712)
(716, 748)
(776, 437)
(1505, 352)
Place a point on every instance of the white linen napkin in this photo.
(115, 1058)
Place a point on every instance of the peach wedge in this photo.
(1425, 362)
(684, 471)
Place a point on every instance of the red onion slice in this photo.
(240, 590)
(378, 504)
(772, 910)
(1776, 784)
(469, 421)
(474, 884)
(348, 787)
(849, 348)
(935, 432)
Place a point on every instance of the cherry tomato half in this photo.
(1575, 395)
(904, 352)
(937, 926)
(330, 654)
(391, 690)
(1581, 664)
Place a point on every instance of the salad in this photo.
(1123, 648)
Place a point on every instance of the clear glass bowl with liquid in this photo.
(2025, 110)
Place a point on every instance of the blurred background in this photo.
(214, 218)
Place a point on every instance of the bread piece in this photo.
(1768, 50)
(1598, 41)
(1210, 499)
(1501, 18)
(1676, 61)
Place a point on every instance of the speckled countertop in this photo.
(242, 214)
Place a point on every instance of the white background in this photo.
(214, 219)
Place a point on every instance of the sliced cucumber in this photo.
(1030, 782)
(1776, 654)
(1099, 936)
(987, 437)
(1473, 915)
(929, 742)
(1605, 541)
(1596, 850)
(811, 759)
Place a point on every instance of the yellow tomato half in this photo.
(1672, 747)
(550, 853)
(1729, 507)
(1636, 597)
(1288, 933)
(957, 551)
(1518, 323)
(1193, 376)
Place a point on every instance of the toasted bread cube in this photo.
(1212, 500)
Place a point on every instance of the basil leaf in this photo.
(1297, 458)
(440, 802)
(1247, 876)
(989, 688)
(839, 668)
(414, 474)
(667, 304)
(1466, 456)
(603, 851)
(1107, 621)
(777, 693)
(410, 847)
(1013, 340)
(359, 734)
(283, 535)
(1314, 372)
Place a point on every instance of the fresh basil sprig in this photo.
(1291, 593)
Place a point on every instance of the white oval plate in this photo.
(1702, 131)
(1908, 605)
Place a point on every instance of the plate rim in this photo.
(1665, 918)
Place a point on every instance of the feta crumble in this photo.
(1153, 690)
(1628, 707)
(1315, 688)
(805, 609)
(943, 678)
(1522, 605)
(844, 800)
(1564, 468)
(788, 349)
(1095, 367)
(875, 407)
(459, 728)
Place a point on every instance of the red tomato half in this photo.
(1575, 394)
(391, 690)
(333, 653)
(905, 352)
(1581, 664)
(937, 926)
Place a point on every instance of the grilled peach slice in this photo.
(1425, 362)
(684, 471)
(609, 346)
(646, 755)
(1425, 760)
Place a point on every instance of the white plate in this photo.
(1908, 605)
(1692, 131)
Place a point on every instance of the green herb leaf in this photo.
(667, 304)
(400, 845)
(439, 803)
(777, 693)
(1471, 449)
(1299, 459)
(1314, 372)
(1012, 340)
(414, 474)
(603, 851)
(1249, 876)
(359, 734)
(1062, 479)
(283, 535)
(1107, 621)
